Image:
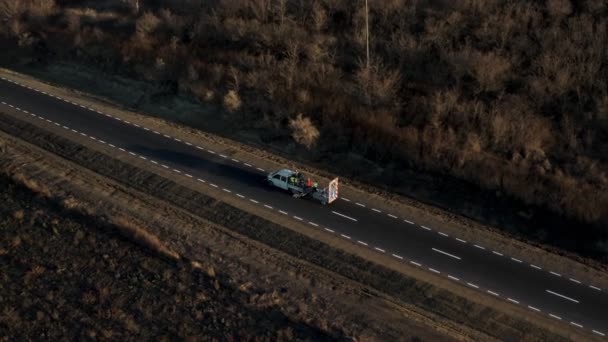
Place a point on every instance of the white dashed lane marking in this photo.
(345, 216)
(398, 256)
(434, 270)
(379, 249)
(555, 274)
(460, 240)
(478, 246)
(453, 278)
(473, 285)
(533, 308)
(361, 242)
(408, 222)
(574, 280)
(534, 266)
(376, 210)
(493, 293)
(443, 234)
(497, 253)
(576, 324)
(345, 236)
(598, 333)
(556, 317)
(562, 296)
(425, 228)
(512, 301)
(446, 253)
(516, 260)
(595, 288)
(416, 263)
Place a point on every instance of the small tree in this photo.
(232, 101)
(303, 131)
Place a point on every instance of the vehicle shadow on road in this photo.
(210, 169)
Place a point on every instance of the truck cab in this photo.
(280, 178)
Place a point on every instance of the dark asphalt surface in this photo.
(466, 263)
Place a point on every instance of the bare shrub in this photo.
(11, 9)
(32, 184)
(147, 23)
(19, 215)
(143, 237)
(559, 8)
(232, 101)
(303, 131)
(491, 70)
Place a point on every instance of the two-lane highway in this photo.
(491, 272)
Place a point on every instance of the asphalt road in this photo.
(492, 273)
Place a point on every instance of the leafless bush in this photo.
(143, 237)
(147, 23)
(232, 101)
(303, 131)
(559, 8)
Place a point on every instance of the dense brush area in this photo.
(509, 95)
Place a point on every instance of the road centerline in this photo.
(345, 216)
(562, 296)
(446, 253)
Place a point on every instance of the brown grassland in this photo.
(510, 96)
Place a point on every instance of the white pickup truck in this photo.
(299, 186)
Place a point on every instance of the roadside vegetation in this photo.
(508, 95)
